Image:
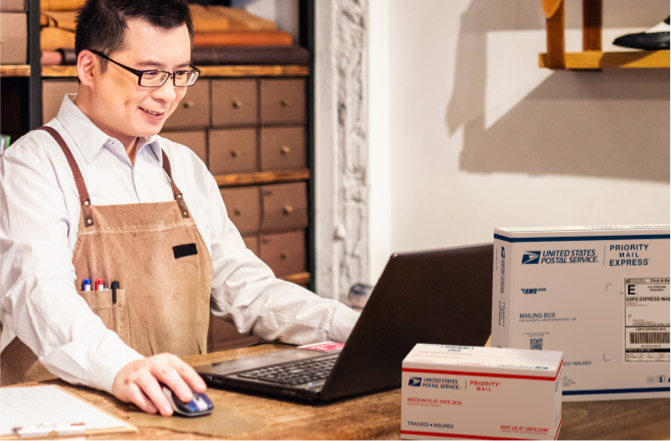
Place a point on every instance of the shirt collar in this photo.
(88, 138)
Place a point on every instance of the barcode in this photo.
(502, 314)
(648, 337)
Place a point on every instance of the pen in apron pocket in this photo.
(114, 286)
(100, 284)
(86, 285)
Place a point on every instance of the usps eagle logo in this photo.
(531, 257)
(415, 381)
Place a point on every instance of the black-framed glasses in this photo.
(156, 78)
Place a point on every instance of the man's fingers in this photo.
(171, 378)
(190, 376)
(153, 391)
(187, 374)
(137, 397)
(198, 384)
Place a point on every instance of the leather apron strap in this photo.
(84, 197)
(175, 191)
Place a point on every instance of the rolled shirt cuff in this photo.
(342, 324)
(108, 362)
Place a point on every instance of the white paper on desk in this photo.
(32, 406)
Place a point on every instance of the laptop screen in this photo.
(440, 296)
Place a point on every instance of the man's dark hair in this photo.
(101, 24)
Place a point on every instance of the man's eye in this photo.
(150, 74)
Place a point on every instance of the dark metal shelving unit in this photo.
(306, 38)
(34, 54)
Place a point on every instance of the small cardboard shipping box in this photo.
(599, 294)
(480, 393)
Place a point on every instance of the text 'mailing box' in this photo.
(599, 294)
(475, 392)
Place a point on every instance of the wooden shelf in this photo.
(15, 70)
(206, 71)
(592, 57)
(256, 71)
(612, 60)
(298, 279)
(262, 178)
(59, 71)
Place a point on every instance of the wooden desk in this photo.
(375, 416)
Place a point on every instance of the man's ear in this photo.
(86, 67)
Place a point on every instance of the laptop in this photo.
(440, 296)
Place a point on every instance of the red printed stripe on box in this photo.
(482, 374)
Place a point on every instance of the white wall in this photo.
(480, 137)
(379, 137)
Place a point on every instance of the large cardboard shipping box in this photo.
(599, 294)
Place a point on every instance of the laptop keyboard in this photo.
(294, 373)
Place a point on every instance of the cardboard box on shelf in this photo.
(13, 38)
(13, 6)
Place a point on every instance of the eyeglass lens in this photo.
(156, 78)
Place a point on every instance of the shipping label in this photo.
(646, 323)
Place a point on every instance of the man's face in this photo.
(124, 109)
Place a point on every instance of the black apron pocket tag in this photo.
(185, 250)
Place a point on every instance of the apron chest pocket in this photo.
(113, 315)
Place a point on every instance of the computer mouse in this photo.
(200, 405)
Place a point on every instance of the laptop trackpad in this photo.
(243, 364)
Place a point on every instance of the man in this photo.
(99, 195)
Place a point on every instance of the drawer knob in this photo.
(237, 104)
(237, 212)
(188, 104)
(234, 153)
(284, 103)
(285, 149)
(288, 209)
(283, 256)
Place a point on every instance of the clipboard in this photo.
(48, 411)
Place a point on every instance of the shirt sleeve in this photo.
(38, 298)
(246, 292)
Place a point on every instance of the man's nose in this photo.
(167, 91)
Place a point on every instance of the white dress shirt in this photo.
(39, 219)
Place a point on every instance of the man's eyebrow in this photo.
(162, 66)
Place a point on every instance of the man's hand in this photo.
(137, 382)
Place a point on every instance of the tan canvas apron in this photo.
(162, 265)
